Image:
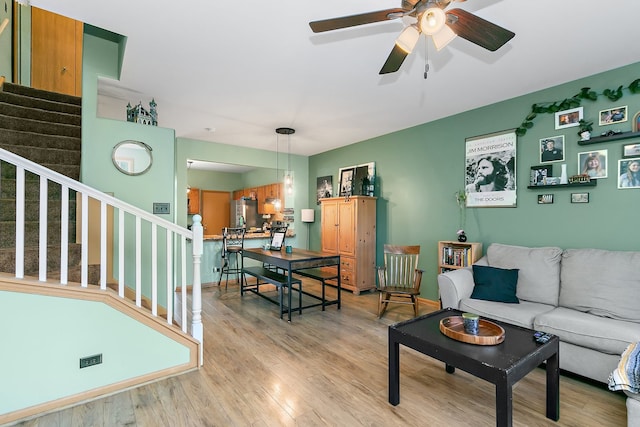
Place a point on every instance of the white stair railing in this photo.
(173, 255)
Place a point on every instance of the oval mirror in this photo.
(132, 157)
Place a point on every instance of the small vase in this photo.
(462, 237)
(563, 176)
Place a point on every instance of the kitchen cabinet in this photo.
(348, 228)
(193, 201)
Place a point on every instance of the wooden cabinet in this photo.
(193, 201)
(453, 255)
(348, 228)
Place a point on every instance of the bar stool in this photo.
(232, 246)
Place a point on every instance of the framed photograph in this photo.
(613, 116)
(490, 170)
(324, 187)
(593, 163)
(635, 126)
(545, 199)
(579, 197)
(346, 182)
(539, 174)
(552, 149)
(631, 150)
(629, 173)
(362, 179)
(568, 118)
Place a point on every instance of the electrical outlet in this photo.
(161, 208)
(85, 362)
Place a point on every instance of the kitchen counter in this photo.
(247, 236)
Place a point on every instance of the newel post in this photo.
(196, 302)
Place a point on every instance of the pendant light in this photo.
(288, 179)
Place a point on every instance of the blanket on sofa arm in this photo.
(626, 377)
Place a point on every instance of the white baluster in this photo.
(42, 242)
(196, 297)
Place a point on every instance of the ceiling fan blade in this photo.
(479, 31)
(353, 20)
(394, 61)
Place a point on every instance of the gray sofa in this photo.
(589, 298)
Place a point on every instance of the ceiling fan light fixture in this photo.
(408, 38)
(443, 37)
(432, 20)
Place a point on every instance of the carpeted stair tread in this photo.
(43, 156)
(39, 126)
(30, 139)
(32, 189)
(40, 104)
(32, 209)
(32, 233)
(71, 171)
(12, 110)
(42, 94)
(32, 256)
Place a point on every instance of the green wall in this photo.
(419, 169)
(40, 358)
(6, 47)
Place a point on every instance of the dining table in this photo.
(297, 259)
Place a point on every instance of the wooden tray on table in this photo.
(489, 333)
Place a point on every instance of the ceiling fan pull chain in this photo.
(426, 59)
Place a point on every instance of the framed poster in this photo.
(324, 187)
(346, 181)
(490, 163)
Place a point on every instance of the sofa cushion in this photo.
(539, 275)
(586, 330)
(494, 284)
(517, 314)
(603, 283)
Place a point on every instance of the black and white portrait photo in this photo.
(324, 187)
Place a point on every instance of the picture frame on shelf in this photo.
(324, 188)
(346, 181)
(631, 150)
(540, 173)
(545, 199)
(363, 179)
(579, 197)
(568, 118)
(552, 149)
(612, 116)
(629, 173)
(635, 126)
(593, 163)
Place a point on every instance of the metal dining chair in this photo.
(232, 246)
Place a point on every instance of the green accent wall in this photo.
(419, 169)
(40, 360)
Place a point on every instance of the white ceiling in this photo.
(244, 69)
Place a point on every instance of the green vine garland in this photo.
(574, 102)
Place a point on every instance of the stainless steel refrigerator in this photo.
(244, 213)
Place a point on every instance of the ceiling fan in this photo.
(431, 20)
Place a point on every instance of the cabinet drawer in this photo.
(347, 278)
(347, 264)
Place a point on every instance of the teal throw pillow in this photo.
(495, 284)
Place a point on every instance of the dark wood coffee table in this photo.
(503, 364)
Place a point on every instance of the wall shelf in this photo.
(616, 137)
(591, 183)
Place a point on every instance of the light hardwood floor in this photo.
(325, 369)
